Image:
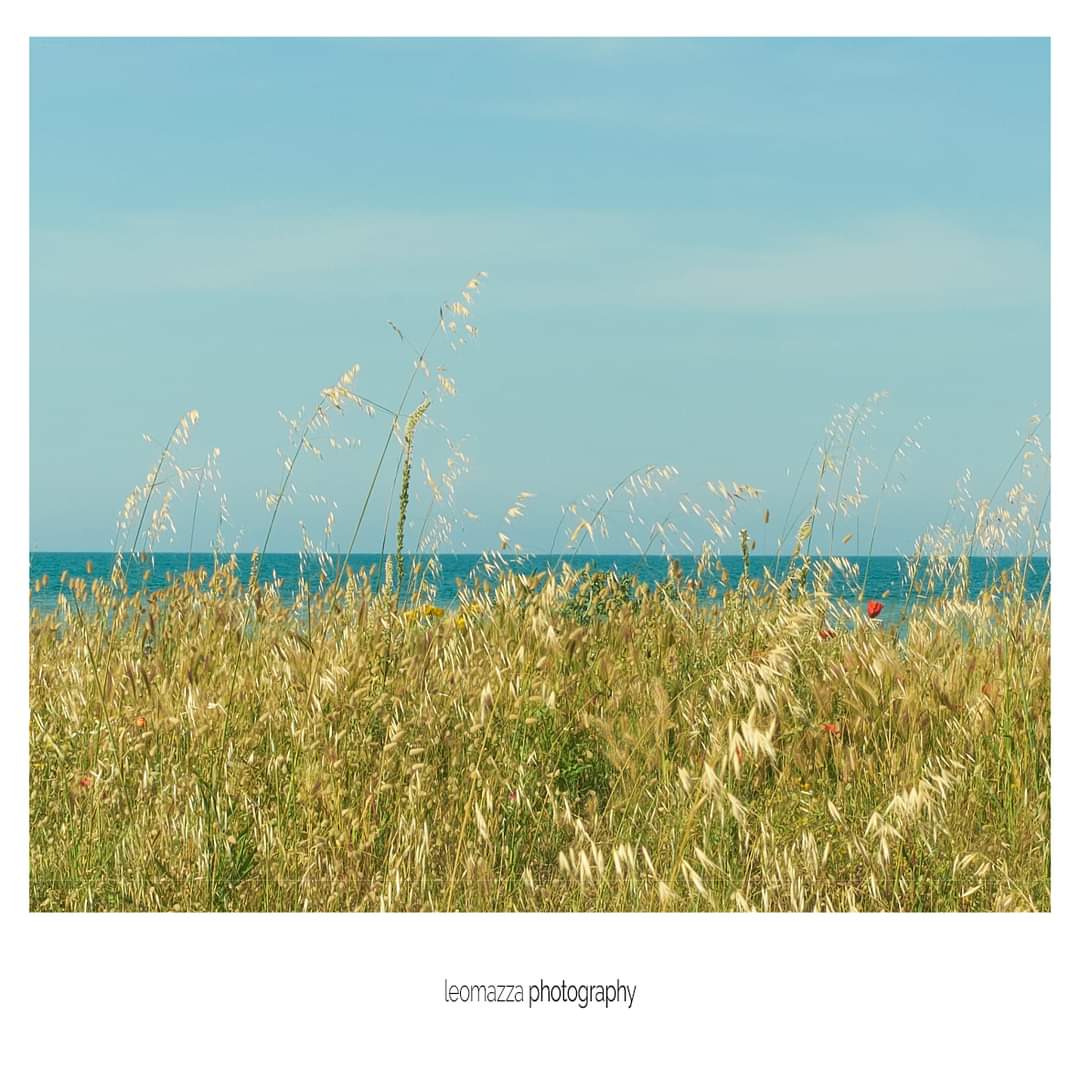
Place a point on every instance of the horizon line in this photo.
(516, 554)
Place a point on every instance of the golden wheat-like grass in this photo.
(560, 742)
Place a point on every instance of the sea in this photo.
(886, 577)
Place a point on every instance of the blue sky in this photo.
(698, 251)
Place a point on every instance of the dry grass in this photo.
(564, 742)
(553, 744)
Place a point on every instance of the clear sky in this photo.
(698, 251)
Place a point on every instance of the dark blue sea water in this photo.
(886, 579)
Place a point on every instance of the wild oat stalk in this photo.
(406, 471)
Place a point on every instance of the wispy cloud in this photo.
(891, 262)
(552, 258)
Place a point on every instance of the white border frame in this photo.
(312, 995)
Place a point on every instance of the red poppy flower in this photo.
(831, 729)
(140, 721)
(874, 608)
(85, 781)
(825, 633)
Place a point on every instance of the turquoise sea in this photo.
(887, 579)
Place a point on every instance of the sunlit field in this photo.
(551, 745)
(555, 741)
